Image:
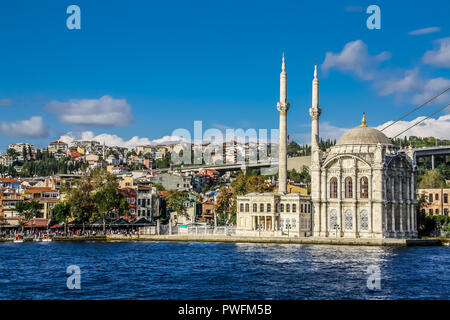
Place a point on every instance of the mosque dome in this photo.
(363, 135)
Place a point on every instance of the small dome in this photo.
(363, 135)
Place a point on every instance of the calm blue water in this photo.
(191, 270)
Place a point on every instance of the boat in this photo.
(19, 239)
(47, 238)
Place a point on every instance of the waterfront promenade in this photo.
(274, 240)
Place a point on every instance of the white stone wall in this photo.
(387, 212)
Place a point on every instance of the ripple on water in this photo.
(191, 270)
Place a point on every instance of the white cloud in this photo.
(407, 81)
(105, 112)
(424, 31)
(115, 140)
(168, 140)
(404, 84)
(438, 128)
(328, 131)
(5, 102)
(431, 88)
(355, 59)
(439, 57)
(32, 128)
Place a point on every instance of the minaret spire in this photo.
(283, 107)
(315, 111)
(315, 70)
(316, 161)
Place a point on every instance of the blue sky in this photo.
(161, 65)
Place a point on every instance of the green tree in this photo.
(11, 153)
(109, 200)
(62, 212)
(293, 149)
(431, 179)
(82, 205)
(225, 207)
(175, 202)
(159, 187)
(444, 169)
(27, 210)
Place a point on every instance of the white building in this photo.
(18, 147)
(363, 187)
(282, 213)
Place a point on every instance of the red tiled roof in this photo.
(36, 223)
(162, 193)
(57, 142)
(8, 180)
(39, 189)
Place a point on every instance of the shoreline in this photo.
(268, 240)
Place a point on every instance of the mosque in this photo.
(362, 187)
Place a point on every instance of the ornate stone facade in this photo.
(274, 214)
(364, 190)
(362, 187)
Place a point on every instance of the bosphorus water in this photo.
(197, 270)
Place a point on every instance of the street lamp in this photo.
(336, 228)
(259, 227)
(288, 226)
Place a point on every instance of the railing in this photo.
(209, 230)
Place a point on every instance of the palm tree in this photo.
(20, 207)
(27, 210)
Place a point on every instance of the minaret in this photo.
(283, 107)
(315, 112)
(318, 210)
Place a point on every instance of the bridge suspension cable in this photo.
(427, 117)
(416, 108)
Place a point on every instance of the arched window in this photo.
(333, 187)
(333, 220)
(288, 207)
(255, 208)
(261, 207)
(364, 220)
(247, 207)
(269, 207)
(294, 208)
(348, 187)
(241, 207)
(364, 188)
(301, 207)
(281, 207)
(348, 220)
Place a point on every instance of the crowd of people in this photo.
(39, 233)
